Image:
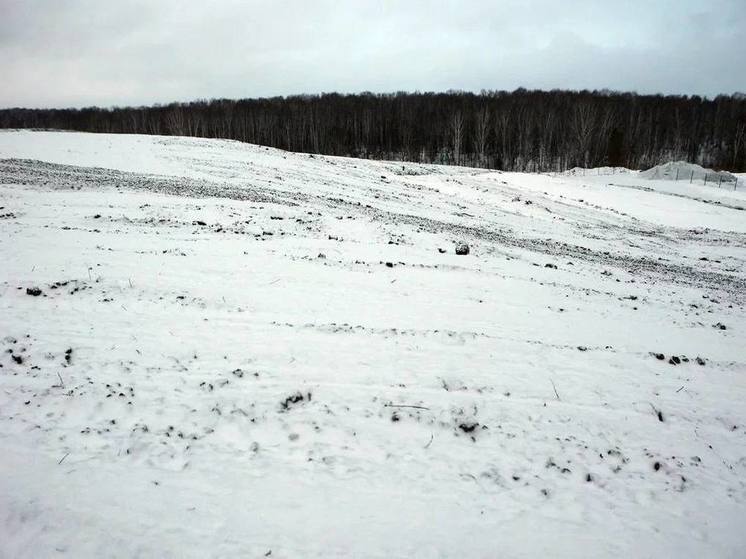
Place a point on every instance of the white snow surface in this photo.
(222, 364)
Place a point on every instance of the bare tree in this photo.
(584, 116)
(738, 140)
(457, 135)
(481, 132)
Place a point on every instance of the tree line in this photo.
(520, 130)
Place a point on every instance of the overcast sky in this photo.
(59, 53)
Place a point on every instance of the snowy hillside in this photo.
(238, 351)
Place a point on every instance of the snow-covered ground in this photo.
(242, 352)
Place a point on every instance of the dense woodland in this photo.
(520, 130)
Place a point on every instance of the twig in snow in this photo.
(657, 412)
(430, 441)
(130, 280)
(62, 383)
(61, 459)
(555, 390)
(405, 406)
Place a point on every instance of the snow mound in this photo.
(681, 170)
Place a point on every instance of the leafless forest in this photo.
(520, 130)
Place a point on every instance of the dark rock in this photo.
(462, 249)
(294, 399)
(659, 356)
(700, 361)
(468, 427)
(33, 291)
(553, 266)
(389, 264)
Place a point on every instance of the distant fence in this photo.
(713, 178)
(720, 179)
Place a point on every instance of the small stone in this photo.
(33, 291)
(468, 427)
(462, 249)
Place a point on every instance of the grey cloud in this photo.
(83, 52)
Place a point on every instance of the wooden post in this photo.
(677, 174)
(691, 176)
(720, 180)
(705, 182)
